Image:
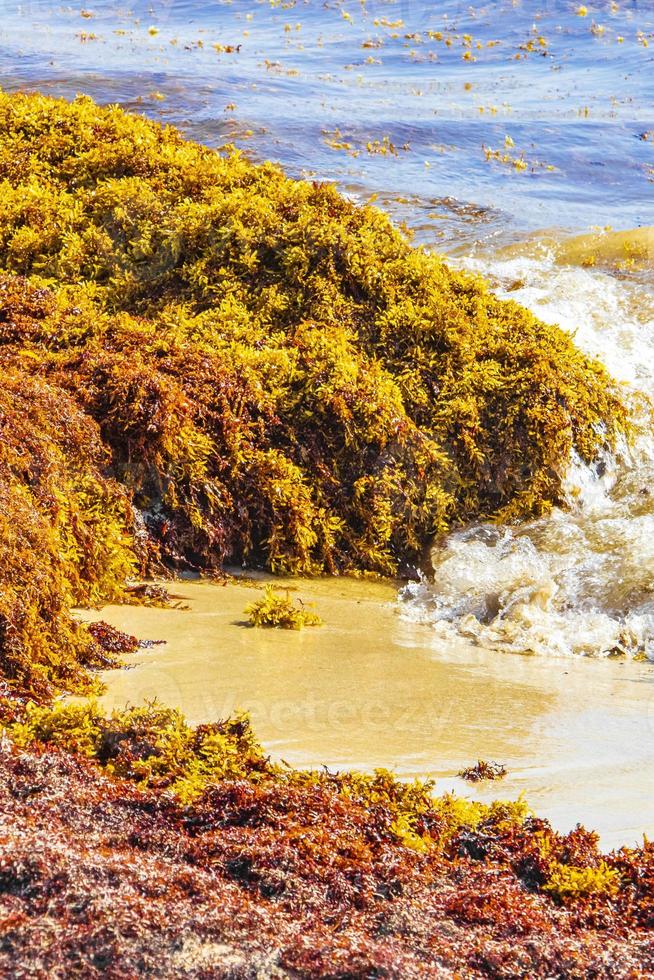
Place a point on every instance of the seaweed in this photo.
(203, 361)
(152, 745)
(570, 883)
(65, 536)
(275, 610)
(278, 375)
(483, 770)
(112, 640)
(202, 858)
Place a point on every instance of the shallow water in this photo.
(499, 132)
(368, 689)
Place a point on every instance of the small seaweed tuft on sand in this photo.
(112, 640)
(276, 610)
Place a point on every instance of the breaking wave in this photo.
(579, 581)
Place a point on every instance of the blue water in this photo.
(572, 109)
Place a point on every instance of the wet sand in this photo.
(370, 689)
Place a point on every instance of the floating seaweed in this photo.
(483, 770)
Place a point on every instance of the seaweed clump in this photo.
(204, 361)
(280, 612)
(151, 745)
(201, 858)
(570, 883)
(65, 536)
(112, 640)
(277, 374)
(483, 770)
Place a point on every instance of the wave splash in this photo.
(579, 581)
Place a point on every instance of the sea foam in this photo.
(579, 581)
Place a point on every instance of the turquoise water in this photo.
(325, 88)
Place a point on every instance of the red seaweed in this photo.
(269, 872)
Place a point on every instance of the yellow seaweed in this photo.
(217, 363)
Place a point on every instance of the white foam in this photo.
(609, 318)
(579, 581)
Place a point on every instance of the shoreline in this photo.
(371, 689)
(229, 365)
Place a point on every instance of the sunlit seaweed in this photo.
(65, 535)
(152, 745)
(276, 610)
(483, 770)
(277, 373)
(112, 640)
(570, 883)
(198, 843)
(204, 361)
